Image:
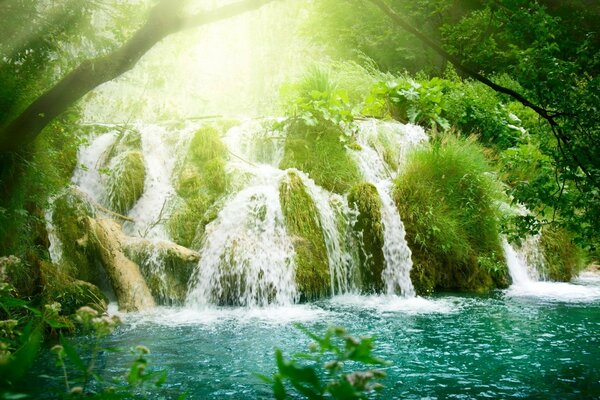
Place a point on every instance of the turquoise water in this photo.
(451, 346)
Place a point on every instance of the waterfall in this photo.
(372, 137)
(247, 257)
(517, 265)
(88, 174)
(162, 148)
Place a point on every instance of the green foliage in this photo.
(77, 363)
(70, 213)
(318, 151)
(201, 183)
(365, 198)
(71, 293)
(447, 196)
(303, 224)
(27, 180)
(321, 373)
(125, 184)
(441, 103)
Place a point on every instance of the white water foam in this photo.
(524, 286)
(397, 304)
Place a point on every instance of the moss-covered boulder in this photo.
(166, 266)
(302, 222)
(71, 293)
(563, 258)
(201, 182)
(125, 183)
(365, 199)
(447, 196)
(70, 213)
(318, 151)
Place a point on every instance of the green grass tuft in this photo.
(563, 258)
(447, 197)
(318, 151)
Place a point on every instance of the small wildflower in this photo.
(77, 390)
(142, 349)
(57, 349)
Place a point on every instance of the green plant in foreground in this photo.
(321, 373)
(86, 382)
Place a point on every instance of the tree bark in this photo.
(164, 19)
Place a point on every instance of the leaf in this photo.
(72, 355)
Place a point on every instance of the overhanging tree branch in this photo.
(549, 116)
(164, 19)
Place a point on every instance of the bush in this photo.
(447, 195)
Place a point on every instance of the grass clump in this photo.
(125, 184)
(202, 181)
(365, 199)
(318, 151)
(71, 293)
(302, 221)
(563, 258)
(447, 197)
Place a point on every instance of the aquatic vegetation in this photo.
(302, 222)
(365, 198)
(447, 197)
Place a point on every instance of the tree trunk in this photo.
(164, 20)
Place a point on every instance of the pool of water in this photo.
(541, 343)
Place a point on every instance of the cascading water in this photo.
(525, 277)
(371, 161)
(247, 257)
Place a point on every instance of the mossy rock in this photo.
(125, 184)
(166, 273)
(201, 183)
(71, 210)
(71, 293)
(318, 151)
(302, 222)
(563, 258)
(365, 198)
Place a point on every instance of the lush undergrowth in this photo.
(447, 195)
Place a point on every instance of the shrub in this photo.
(447, 195)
